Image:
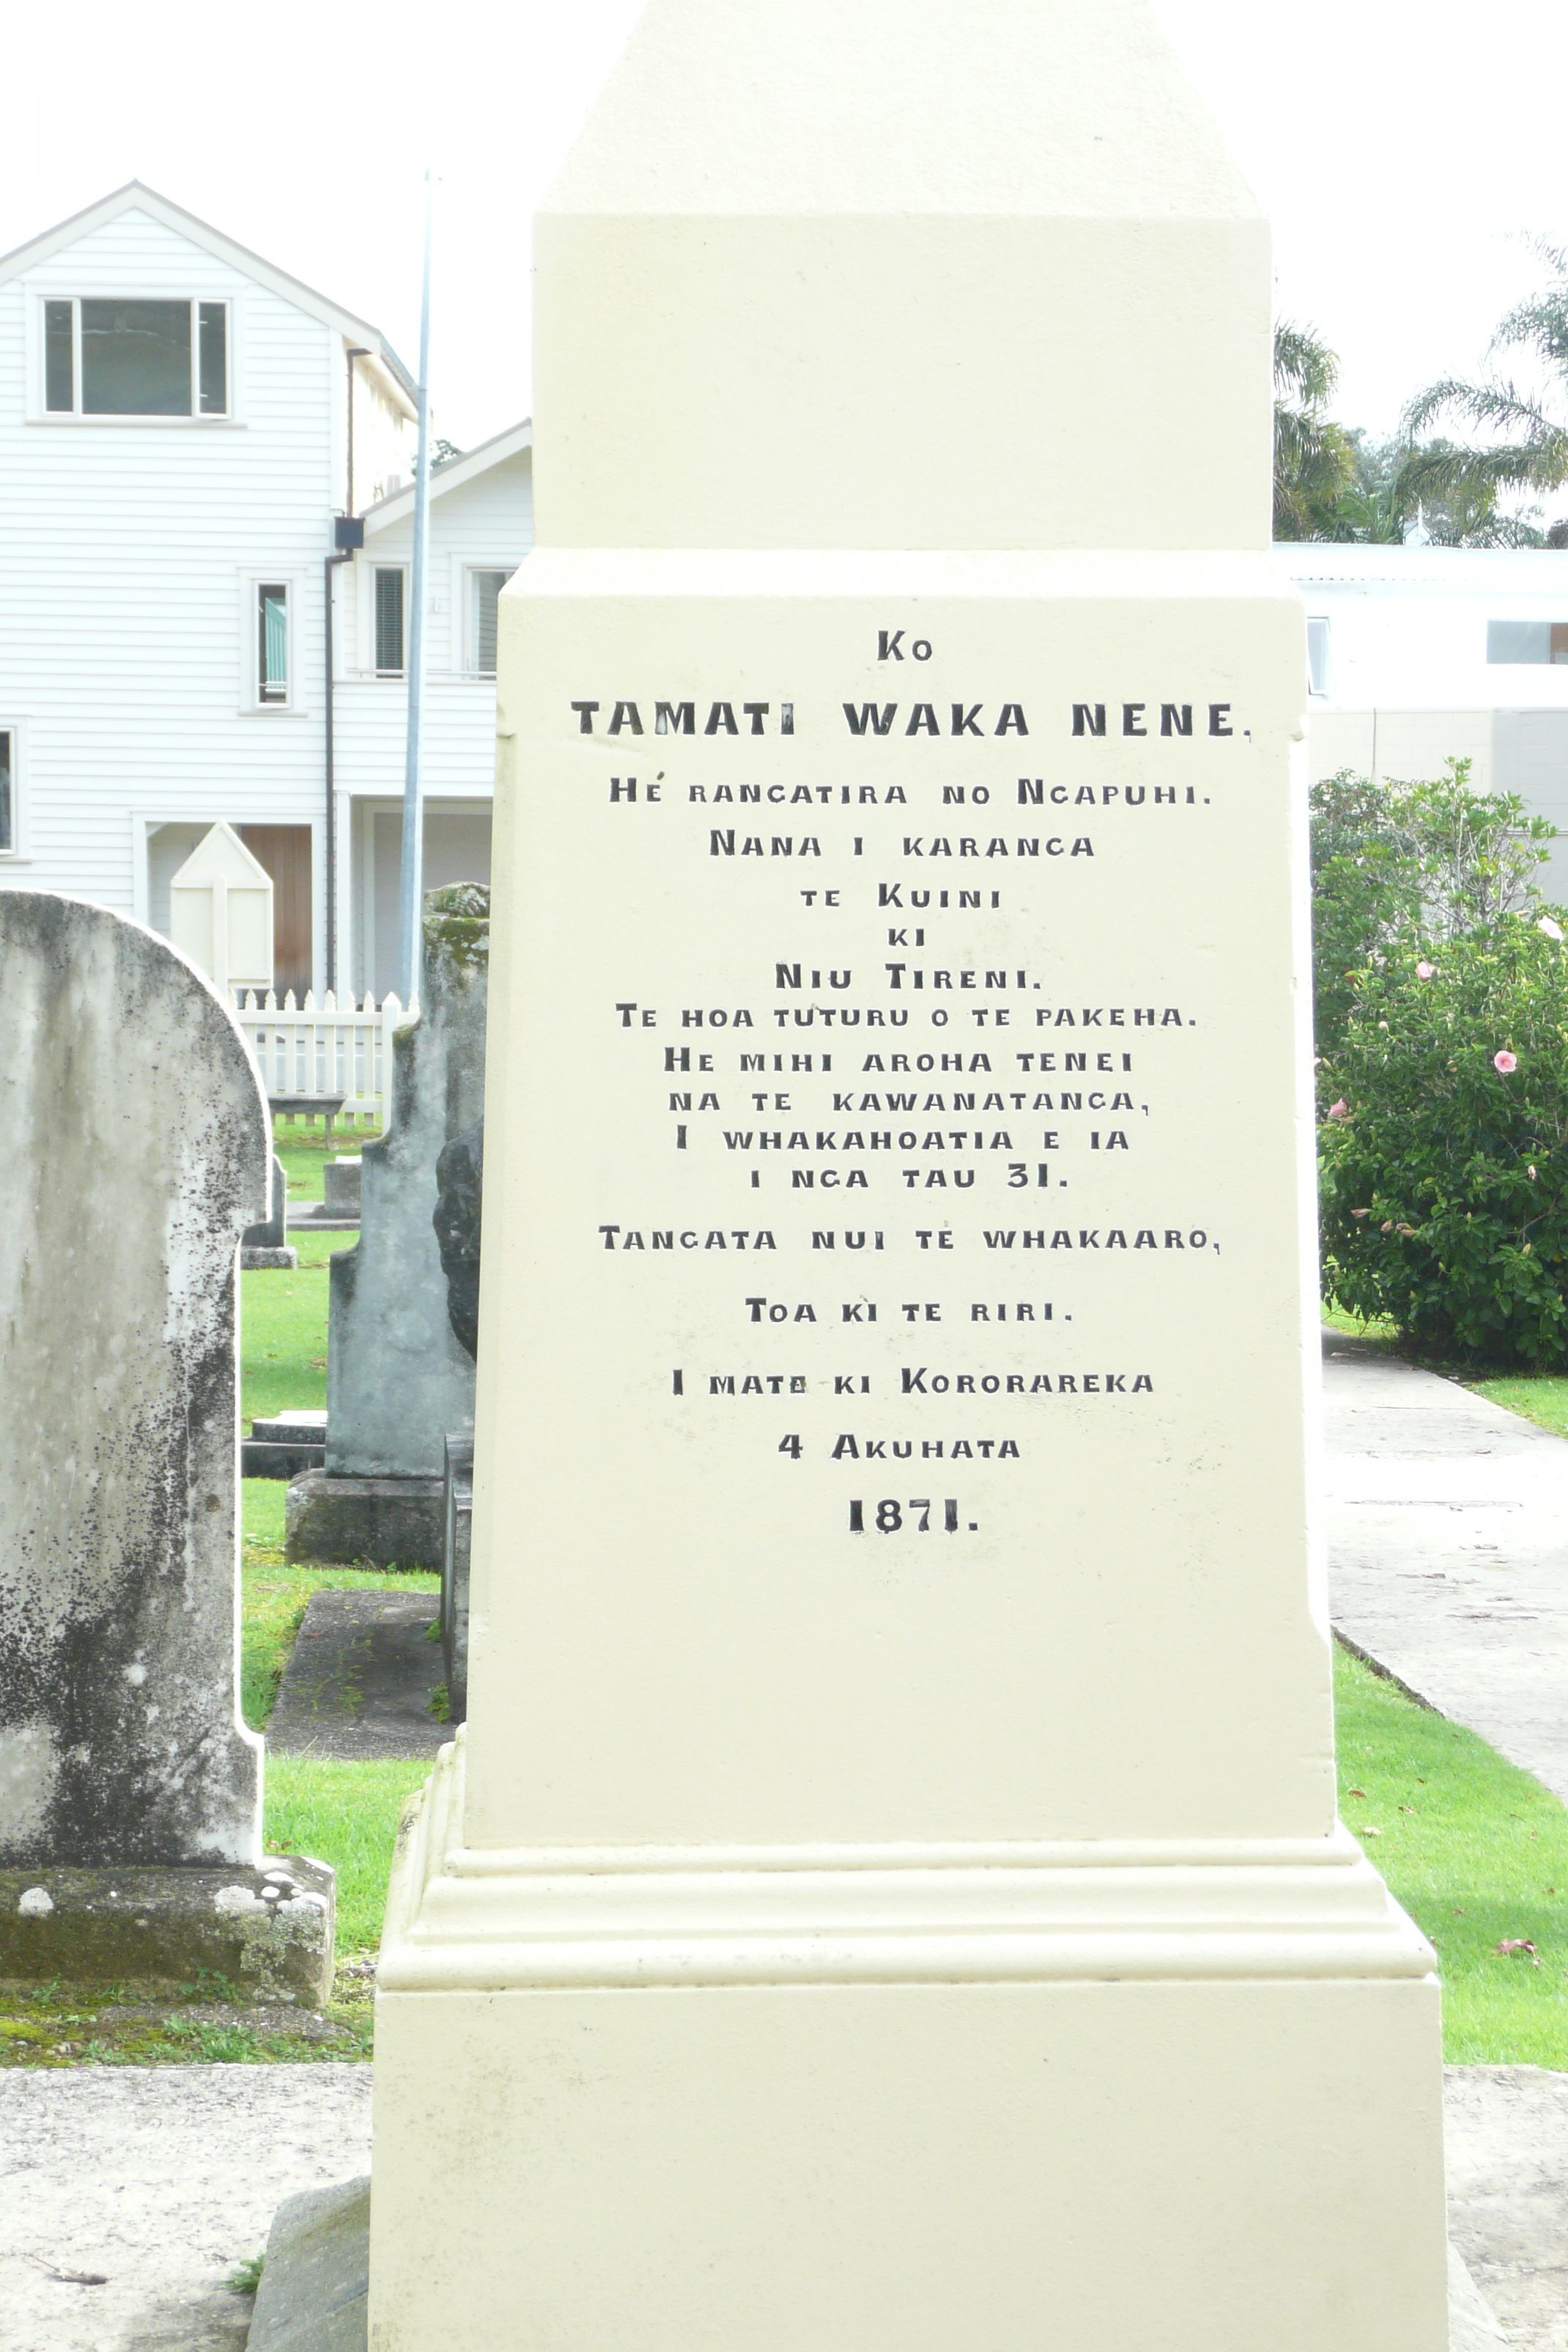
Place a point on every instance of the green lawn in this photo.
(344, 1813)
(1356, 1326)
(1540, 1397)
(1476, 1852)
(302, 1146)
(340, 1812)
(283, 1332)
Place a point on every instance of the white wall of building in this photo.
(1408, 626)
(131, 552)
(1404, 679)
(129, 548)
(484, 522)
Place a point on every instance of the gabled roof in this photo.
(135, 196)
(453, 474)
(220, 856)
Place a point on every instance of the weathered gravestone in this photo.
(889, 1890)
(133, 1154)
(397, 1376)
(264, 1247)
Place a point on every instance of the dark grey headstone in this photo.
(460, 1202)
(134, 1151)
(397, 1376)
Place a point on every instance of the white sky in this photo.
(1398, 160)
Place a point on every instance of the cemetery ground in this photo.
(1476, 1849)
(1540, 1396)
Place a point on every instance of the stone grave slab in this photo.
(316, 2275)
(361, 1677)
(269, 1927)
(283, 1444)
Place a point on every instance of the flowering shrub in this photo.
(1444, 1144)
(1410, 865)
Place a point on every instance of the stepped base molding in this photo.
(1093, 2099)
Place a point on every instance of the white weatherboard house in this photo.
(183, 430)
(1418, 654)
(482, 526)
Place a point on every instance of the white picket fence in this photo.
(319, 1051)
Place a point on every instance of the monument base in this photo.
(383, 1522)
(315, 2289)
(268, 1261)
(270, 1931)
(1106, 2097)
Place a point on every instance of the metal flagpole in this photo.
(411, 892)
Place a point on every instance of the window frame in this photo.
(471, 616)
(250, 697)
(368, 618)
(1554, 629)
(15, 851)
(40, 412)
(1315, 691)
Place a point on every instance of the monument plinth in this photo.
(889, 1892)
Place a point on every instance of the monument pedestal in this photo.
(889, 1896)
(1087, 2097)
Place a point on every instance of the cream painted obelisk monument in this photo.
(890, 1897)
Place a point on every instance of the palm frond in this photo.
(1304, 367)
(1539, 325)
(1494, 407)
(1429, 475)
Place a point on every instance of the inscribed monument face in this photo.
(926, 1247)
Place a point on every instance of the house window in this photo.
(1317, 655)
(106, 357)
(484, 597)
(272, 642)
(8, 829)
(1527, 641)
(389, 621)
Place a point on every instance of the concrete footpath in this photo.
(129, 2195)
(1448, 1526)
(156, 2182)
